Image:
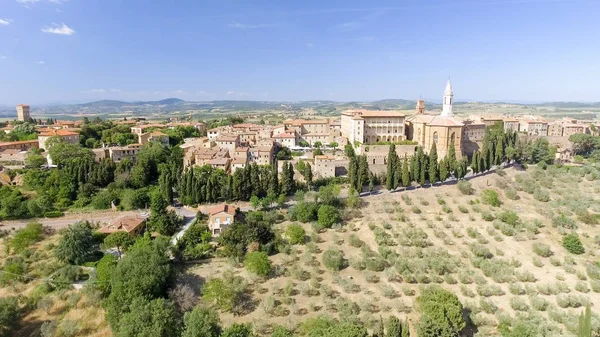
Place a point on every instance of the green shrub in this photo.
(490, 197)
(333, 259)
(542, 249)
(258, 263)
(511, 193)
(572, 243)
(296, 234)
(53, 214)
(518, 304)
(509, 217)
(415, 209)
(355, 241)
(465, 187)
(24, 238)
(487, 306)
(563, 221)
(539, 303)
(328, 215)
(541, 195)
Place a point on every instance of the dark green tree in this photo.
(201, 322)
(77, 243)
(392, 159)
(152, 318)
(406, 180)
(433, 165)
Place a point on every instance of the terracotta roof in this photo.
(62, 133)
(123, 224)
(241, 149)
(21, 142)
(265, 148)
(221, 208)
(285, 135)
(157, 134)
(306, 121)
(373, 113)
(323, 157)
(445, 121)
(219, 161)
(239, 160)
(227, 138)
(23, 105)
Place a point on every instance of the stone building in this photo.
(324, 167)
(443, 129)
(371, 127)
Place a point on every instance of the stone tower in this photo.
(420, 106)
(448, 100)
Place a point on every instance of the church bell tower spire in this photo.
(448, 100)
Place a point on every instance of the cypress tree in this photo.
(398, 174)
(499, 154)
(585, 323)
(475, 162)
(274, 180)
(363, 173)
(443, 170)
(433, 165)
(451, 156)
(392, 158)
(416, 170)
(394, 327)
(353, 171)
(405, 173)
(255, 181)
(423, 170)
(308, 175)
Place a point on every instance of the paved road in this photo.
(67, 220)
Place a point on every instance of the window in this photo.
(435, 137)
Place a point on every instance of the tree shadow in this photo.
(195, 282)
(471, 329)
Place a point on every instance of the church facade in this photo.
(443, 130)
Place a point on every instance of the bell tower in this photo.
(448, 100)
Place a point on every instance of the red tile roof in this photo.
(123, 224)
(221, 208)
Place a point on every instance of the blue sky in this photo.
(80, 50)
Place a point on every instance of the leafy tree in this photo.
(144, 272)
(24, 238)
(14, 269)
(163, 221)
(227, 293)
(308, 175)
(539, 151)
(394, 327)
(9, 315)
(61, 152)
(274, 181)
(305, 211)
(238, 330)
(104, 270)
(328, 215)
(119, 240)
(258, 263)
(152, 318)
(572, 243)
(34, 159)
(77, 243)
(333, 145)
(201, 322)
(329, 194)
(296, 234)
(441, 313)
(349, 151)
(287, 179)
(318, 145)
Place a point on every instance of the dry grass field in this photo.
(505, 262)
(439, 235)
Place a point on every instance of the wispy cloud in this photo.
(309, 45)
(5, 22)
(93, 91)
(59, 29)
(204, 93)
(368, 38)
(27, 1)
(41, 62)
(58, 2)
(245, 26)
(236, 93)
(2, 57)
(352, 25)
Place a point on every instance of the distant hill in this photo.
(570, 105)
(103, 103)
